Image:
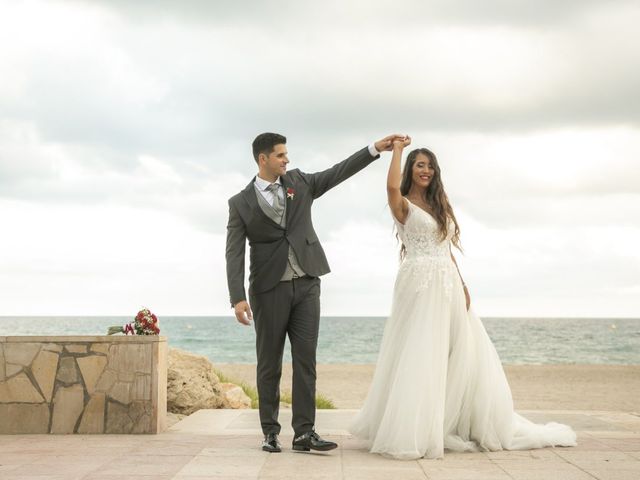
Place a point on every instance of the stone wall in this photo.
(83, 384)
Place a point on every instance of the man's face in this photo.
(276, 162)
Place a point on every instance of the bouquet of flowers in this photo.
(145, 323)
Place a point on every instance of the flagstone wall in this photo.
(83, 384)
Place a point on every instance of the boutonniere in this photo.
(290, 193)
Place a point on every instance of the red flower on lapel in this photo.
(290, 193)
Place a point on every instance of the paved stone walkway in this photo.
(225, 444)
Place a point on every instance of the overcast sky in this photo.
(125, 127)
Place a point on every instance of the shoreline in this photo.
(534, 387)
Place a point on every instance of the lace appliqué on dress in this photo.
(424, 270)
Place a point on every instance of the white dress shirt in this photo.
(263, 187)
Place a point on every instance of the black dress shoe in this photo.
(271, 443)
(312, 441)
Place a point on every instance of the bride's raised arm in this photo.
(399, 207)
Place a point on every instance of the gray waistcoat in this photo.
(293, 267)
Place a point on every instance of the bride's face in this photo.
(422, 171)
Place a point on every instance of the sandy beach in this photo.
(534, 387)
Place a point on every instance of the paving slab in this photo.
(225, 444)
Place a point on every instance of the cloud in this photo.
(329, 14)
(124, 116)
(93, 260)
(161, 87)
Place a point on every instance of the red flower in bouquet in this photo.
(145, 323)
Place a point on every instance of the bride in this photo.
(438, 383)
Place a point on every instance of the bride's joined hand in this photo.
(400, 142)
(386, 144)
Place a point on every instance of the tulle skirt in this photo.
(439, 383)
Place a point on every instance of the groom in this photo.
(286, 260)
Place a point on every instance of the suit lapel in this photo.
(288, 200)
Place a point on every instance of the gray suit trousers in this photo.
(291, 308)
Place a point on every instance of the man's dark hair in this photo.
(265, 142)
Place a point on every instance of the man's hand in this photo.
(243, 312)
(386, 144)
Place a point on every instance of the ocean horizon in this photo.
(355, 340)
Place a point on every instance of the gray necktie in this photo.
(278, 202)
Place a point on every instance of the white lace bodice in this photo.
(420, 234)
(427, 253)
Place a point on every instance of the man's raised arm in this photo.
(320, 182)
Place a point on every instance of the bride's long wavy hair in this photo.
(435, 196)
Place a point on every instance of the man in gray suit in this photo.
(286, 260)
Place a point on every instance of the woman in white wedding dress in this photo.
(438, 383)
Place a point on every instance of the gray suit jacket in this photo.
(269, 241)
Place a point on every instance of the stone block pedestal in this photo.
(83, 384)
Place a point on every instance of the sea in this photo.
(356, 340)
